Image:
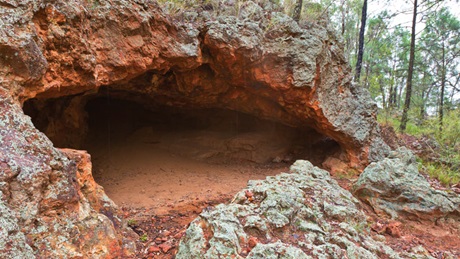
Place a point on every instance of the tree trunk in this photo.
(297, 10)
(422, 107)
(393, 88)
(342, 4)
(361, 41)
(410, 73)
(382, 91)
(443, 89)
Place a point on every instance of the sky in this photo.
(405, 18)
(406, 9)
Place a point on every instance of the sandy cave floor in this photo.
(171, 170)
(163, 178)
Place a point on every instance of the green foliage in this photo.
(312, 11)
(132, 222)
(447, 168)
(445, 174)
(144, 238)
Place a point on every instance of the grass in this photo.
(446, 168)
(446, 175)
(132, 222)
(144, 238)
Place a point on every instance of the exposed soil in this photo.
(407, 235)
(166, 170)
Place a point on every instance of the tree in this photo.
(441, 45)
(410, 72)
(297, 10)
(361, 41)
(378, 60)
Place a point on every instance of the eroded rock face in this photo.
(301, 214)
(51, 206)
(258, 62)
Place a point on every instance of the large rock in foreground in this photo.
(395, 187)
(302, 214)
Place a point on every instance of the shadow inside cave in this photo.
(164, 157)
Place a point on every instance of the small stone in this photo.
(154, 249)
(378, 227)
(252, 242)
(165, 247)
(393, 229)
(179, 235)
(249, 194)
(166, 233)
(277, 159)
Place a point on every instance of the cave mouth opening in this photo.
(151, 155)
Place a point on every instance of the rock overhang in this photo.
(270, 67)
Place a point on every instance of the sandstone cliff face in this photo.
(257, 61)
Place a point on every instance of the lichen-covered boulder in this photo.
(395, 187)
(301, 214)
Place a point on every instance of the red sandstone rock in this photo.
(252, 242)
(393, 229)
(165, 247)
(154, 249)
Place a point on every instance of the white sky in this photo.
(406, 8)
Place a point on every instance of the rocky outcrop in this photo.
(301, 214)
(394, 187)
(51, 206)
(254, 60)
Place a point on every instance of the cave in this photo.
(148, 154)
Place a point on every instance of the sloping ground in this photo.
(303, 214)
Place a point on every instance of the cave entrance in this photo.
(166, 158)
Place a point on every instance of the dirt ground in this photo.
(163, 179)
(167, 158)
(172, 171)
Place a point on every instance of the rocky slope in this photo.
(300, 214)
(394, 186)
